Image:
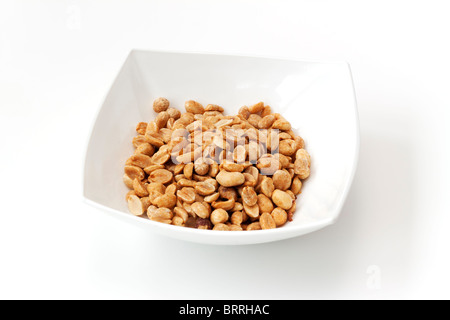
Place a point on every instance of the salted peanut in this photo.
(172, 189)
(200, 210)
(232, 167)
(153, 140)
(156, 187)
(166, 134)
(279, 216)
(170, 123)
(251, 211)
(284, 160)
(265, 204)
(134, 172)
(174, 113)
(138, 140)
(230, 179)
(219, 216)
(129, 194)
(296, 187)
(140, 160)
(228, 193)
(268, 164)
(254, 120)
(212, 198)
(239, 154)
(282, 199)
(244, 112)
(267, 187)
(300, 143)
(160, 104)
(180, 212)
(237, 207)
(267, 221)
(249, 180)
(266, 122)
(188, 170)
(161, 175)
(281, 124)
(201, 168)
(223, 123)
(140, 188)
(266, 111)
(178, 169)
(187, 195)
(249, 196)
(291, 194)
(221, 227)
(234, 227)
(161, 157)
(238, 217)
(287, 147)
(165, 201)
(141, 128)
(253, 226)
(136, 206)
(152, 128)
(291, 211)
(153, 167)
(205, 188)
(213, 169)
(151, 210)
(177, 221)
(225, 205)
(163, 215)
(145, 148)
(273, 140)
(161, 119)
(282, 180)
(187, 118)
(302, 164)
(183, 182)
(214, 107)
(256, 108)
(194, 107)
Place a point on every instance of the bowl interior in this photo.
(317, 98)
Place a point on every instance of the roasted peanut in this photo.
(230, 179)
(265, 204)
(194, 107)
(163, 215)
(138, 206)
(267, 222)
(249, 196)
(140, 160)
(302, 164)
(202, 169)
(200, 210)
(282, 180)
(221, 227)
(282, 199)
(161, 175)
(135, 172)
(160, 104)
(219, 216)
(187, 195)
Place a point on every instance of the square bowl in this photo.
(318, 99)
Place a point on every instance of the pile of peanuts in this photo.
(202, 169)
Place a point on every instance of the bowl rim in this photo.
(293, 231)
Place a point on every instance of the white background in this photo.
(57, 61)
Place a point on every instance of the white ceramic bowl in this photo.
(316, 97)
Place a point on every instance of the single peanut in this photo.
(160, 104)
(282, 199)
(230, 179)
